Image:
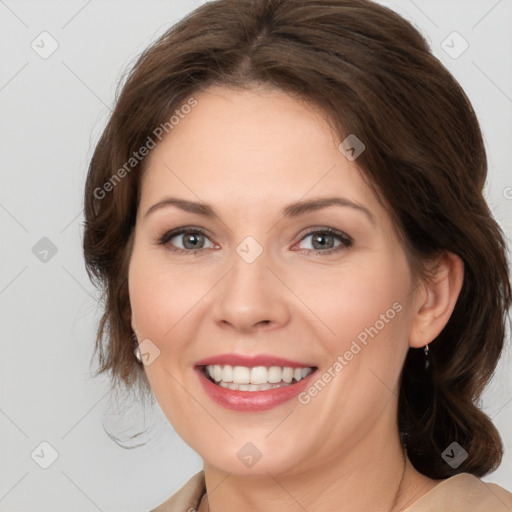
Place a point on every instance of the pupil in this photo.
(320, 237)
(194, 244)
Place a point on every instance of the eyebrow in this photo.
(292, 210)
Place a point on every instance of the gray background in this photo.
(52, 112)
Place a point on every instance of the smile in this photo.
(257, 378)
(252, 383)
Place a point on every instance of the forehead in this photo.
(250, 146)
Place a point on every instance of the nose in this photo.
(252, 297)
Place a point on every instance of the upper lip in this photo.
(251, 361)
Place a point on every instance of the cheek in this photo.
(367, 308)
(160, 295)
(147, 300)
(363, 302)
(160, 299)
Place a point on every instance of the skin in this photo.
(249, 154)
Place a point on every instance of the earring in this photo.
(426, 350)
(137, 353)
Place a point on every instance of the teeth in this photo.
(259, 375)
(275, 374)
(217, 373)
(250, 387)
(287, 374)
(227, 374)
(257, 378)
(241, 375)
(305, 372)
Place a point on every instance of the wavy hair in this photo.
(372, 74)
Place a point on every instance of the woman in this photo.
(285, 212)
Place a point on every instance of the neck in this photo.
(375, 475)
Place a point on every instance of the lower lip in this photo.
(252, 400)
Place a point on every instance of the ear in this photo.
(436, 299)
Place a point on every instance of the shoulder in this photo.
(464, 493)
(461, 493)
(187, 498)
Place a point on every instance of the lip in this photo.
(251, 361)
(251, 401)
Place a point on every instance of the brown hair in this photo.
(373, 75)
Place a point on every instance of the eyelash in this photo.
(346, 241)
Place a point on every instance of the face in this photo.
(251, 283)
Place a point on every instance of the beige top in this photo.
(460, 493)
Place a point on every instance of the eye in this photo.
(191, 240)
(324, 241)
(194, 241)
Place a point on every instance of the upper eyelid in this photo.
(309, 231)
(172, 233)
